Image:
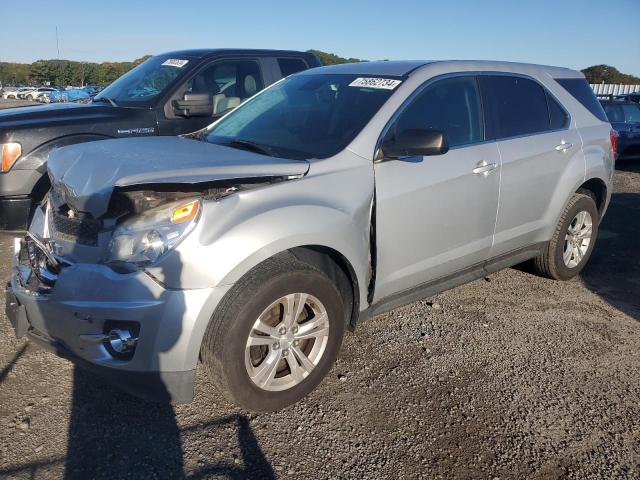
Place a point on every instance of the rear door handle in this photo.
(564, 146)
(484, 168)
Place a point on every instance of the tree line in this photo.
(64, 72)
(68, 72)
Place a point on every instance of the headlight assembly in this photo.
(143, 239)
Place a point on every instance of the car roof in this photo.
(209, 52)
(395, 68)
(402, 68)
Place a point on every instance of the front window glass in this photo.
(304, 116)
(228, 82)
(451, 106)
(141, 85)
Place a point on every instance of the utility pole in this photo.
(57, 43)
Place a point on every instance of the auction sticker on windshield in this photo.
(175, 62)
(371, 82)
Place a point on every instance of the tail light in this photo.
(614, 143)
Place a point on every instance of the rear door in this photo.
(537, 146)
(435, 215)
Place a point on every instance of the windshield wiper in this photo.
(105, 99)
(254, 147)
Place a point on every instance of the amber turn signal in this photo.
(185, 212)
(10, 153)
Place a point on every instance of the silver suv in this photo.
(336, 194)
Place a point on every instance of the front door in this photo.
(436, 215)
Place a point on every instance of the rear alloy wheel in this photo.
(275, 335)
(573, 240)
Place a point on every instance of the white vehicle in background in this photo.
(35, 93)
(13, 94)
(6, 91)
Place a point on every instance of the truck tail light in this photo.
(614, 143)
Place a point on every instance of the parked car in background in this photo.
(70, 95)
(170, 94)
(8, 92)
(35, 93)
(339, 193)
(15, 94)
(624, 116)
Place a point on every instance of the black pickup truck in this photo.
(170, 94)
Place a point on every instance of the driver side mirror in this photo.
(194, 105)
(415, 142)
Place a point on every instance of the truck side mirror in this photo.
(194, 105)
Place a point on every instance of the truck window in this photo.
(289, 66)
(229, 82)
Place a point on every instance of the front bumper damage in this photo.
(70, 311)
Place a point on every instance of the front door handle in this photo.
(564, 146)
(484, 168)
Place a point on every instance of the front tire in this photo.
(275, 335)
(573, 240)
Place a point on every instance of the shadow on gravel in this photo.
(114, 435)
(613, 271)
(10, 364)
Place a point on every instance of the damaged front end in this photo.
(141, 224)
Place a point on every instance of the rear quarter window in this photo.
(581, 91)
(289, 66)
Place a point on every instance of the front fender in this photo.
(212, 257)
(37, 158)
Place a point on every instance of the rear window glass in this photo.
(289, 66)
(622, 113)
(518, 105)
(581, 91)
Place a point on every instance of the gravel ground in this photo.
(512, 376)
(4, 103)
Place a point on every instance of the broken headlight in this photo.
(144, 238)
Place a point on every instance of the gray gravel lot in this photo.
(512, 376)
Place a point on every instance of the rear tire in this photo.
(247, 360)
(572, 242)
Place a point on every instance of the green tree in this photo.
(608, 74)
(332, 58)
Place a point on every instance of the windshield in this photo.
(141, 85)
(623, 113)
(304, 116)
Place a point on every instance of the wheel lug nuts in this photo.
(296, 343)
(276, 346)
(295, 329)
(285, 352)
(282, 330)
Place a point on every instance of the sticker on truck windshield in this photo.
(370, 82)
(175, 62)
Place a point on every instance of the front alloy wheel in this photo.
(275, 335)
(287, 342)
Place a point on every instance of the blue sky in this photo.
(572, 33)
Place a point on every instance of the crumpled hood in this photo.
(86, 174)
